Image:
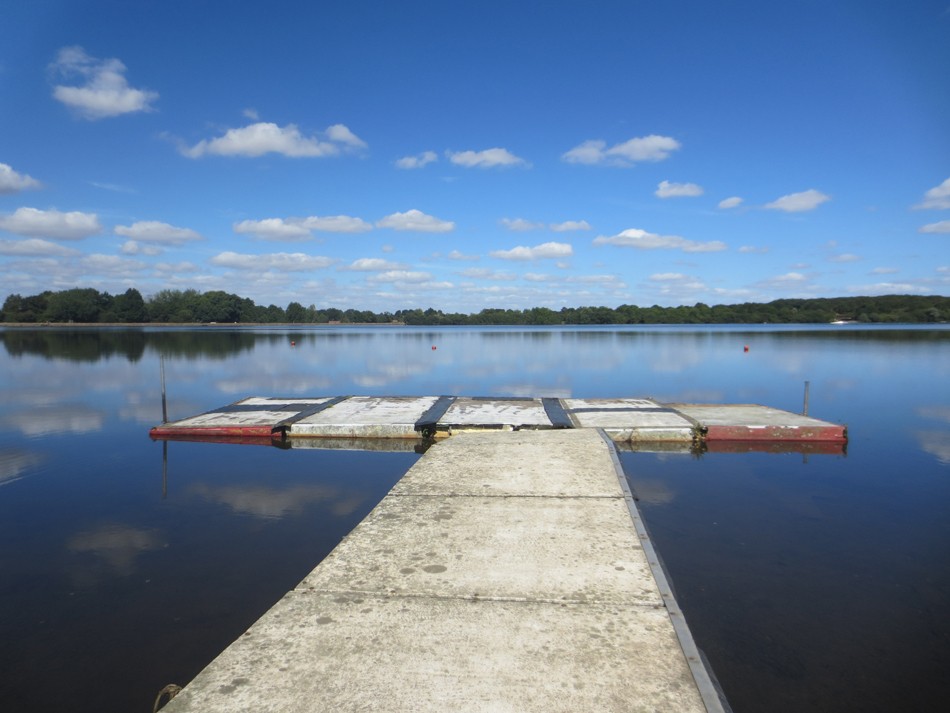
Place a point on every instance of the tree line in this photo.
(88, 305)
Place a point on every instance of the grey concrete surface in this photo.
(749, 415)
(397, 417)
(507, 571)
(468, 411)
(367, 416)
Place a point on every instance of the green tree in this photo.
(76, 305)
(129, 307)
(296, 313)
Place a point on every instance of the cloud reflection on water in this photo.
(49, 420)
(16, 463)
(934, 442)
(275, 503)
(117, 547)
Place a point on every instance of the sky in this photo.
(466, 155)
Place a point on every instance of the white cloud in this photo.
(678, 190)
(105, 92)
(51, 224)
(293, 262)
(589, 152)
(297, 229)
(569, 225)
(113, 264)
(643, 148)
(265, 137)
(131, 247)
(153, 231)
(520, 225)
(536, 277)
(272, 229)
(753, 249)
(416, 220)
(336, 224)
(489, 158)
(175, 268)
(34, 246)
(400, 276)
(799, 202)
(942, 226)
(457, 255)
(675, 285)
(888, 288)
(371, 264)
(340, 133)
(642, 240)
(937, 198)
(884, 271)
(790, 277)
(797, 282)
(610, 280)
(845, 257)
(418, 161)
(545, 250)
(11, 181)
(484, 273)
(732, 202)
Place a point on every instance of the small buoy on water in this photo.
(433, 347)
(293, 343)
(745, 348)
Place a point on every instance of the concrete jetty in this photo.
(506, 571)
(628, 420)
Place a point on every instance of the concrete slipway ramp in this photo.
(506, 571)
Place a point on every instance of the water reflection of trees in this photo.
(90, 345)
(75, 345)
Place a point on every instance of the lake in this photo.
(811, 582)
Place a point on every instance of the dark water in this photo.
(812, 582)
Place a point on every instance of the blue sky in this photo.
(465, 155)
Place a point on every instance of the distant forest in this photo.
(87, 305)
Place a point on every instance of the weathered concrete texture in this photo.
(505, 572)
(254, 416)
(410, 417)
(231, 419)
(273, 402)
(367, 416)
(631, 419)
(521, 464)
(535, 548)
(339, 652)
(354, 443)
(500, 412)
(754, 422)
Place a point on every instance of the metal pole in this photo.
(805, 409)
(164, 402)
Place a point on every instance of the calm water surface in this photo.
(812, 582)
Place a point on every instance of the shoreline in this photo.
(223, 325)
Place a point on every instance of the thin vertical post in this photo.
(805, 408)
(164, 402)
